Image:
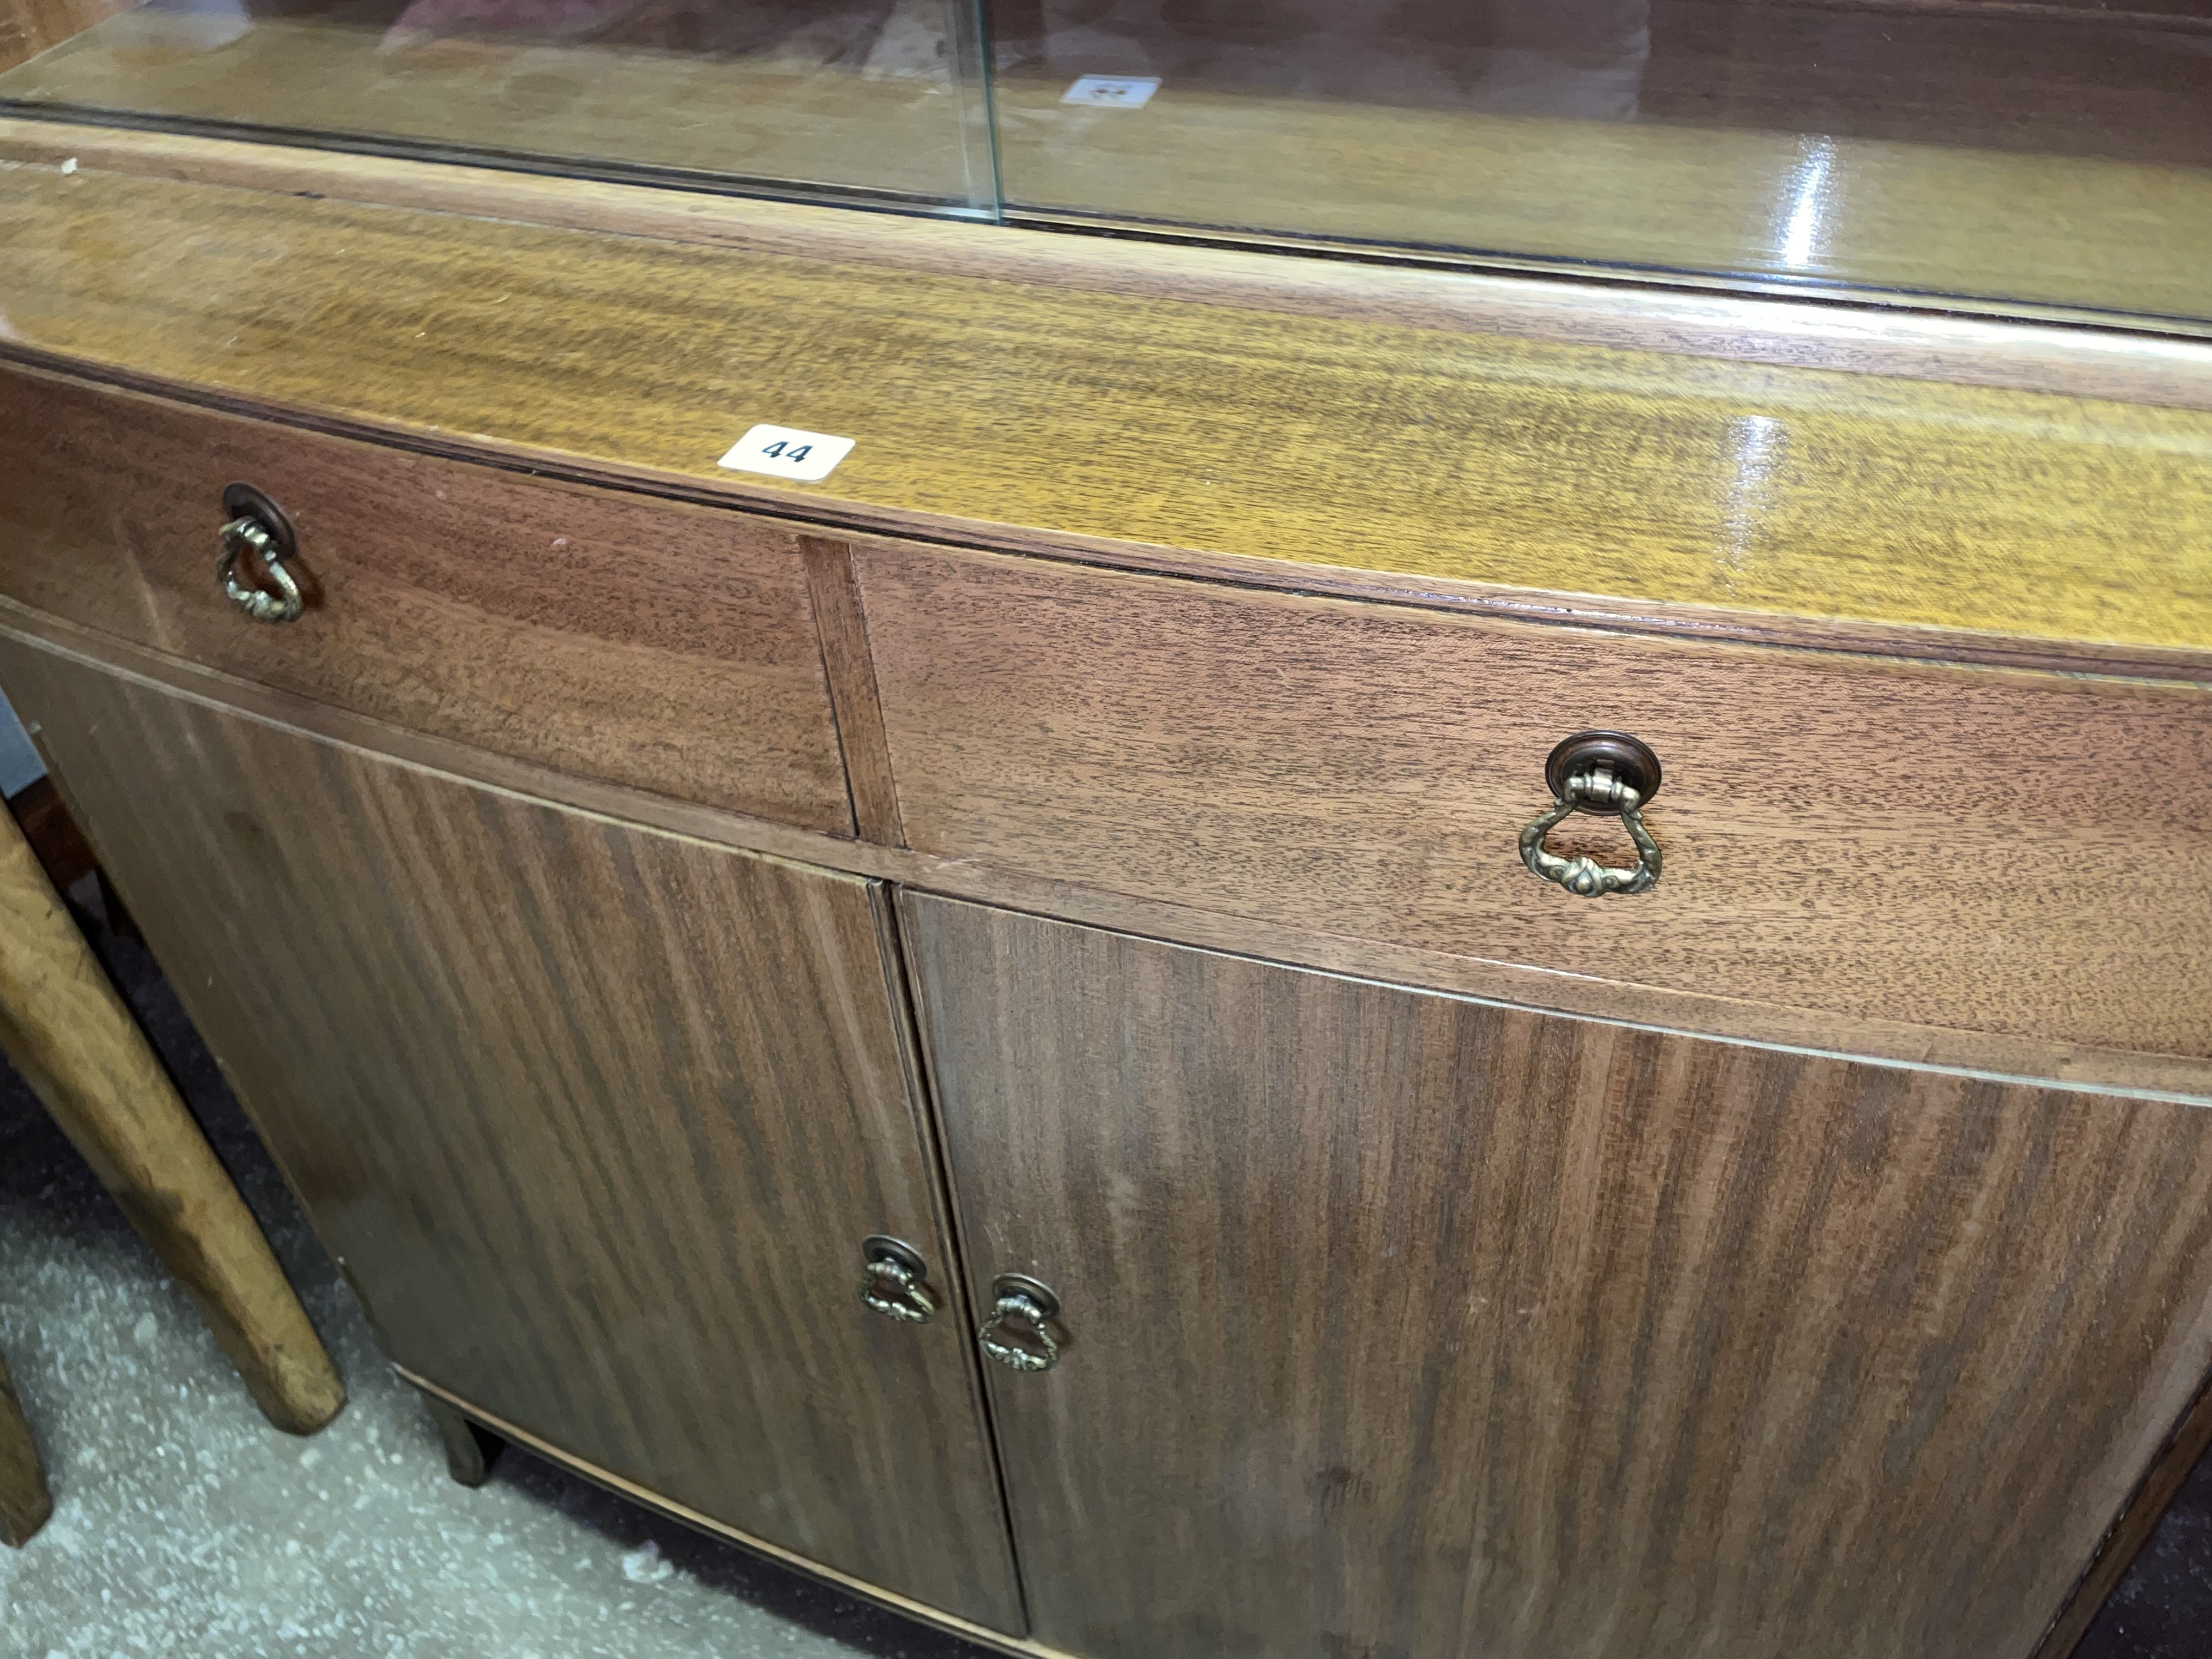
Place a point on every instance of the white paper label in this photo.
(785, 452)
(1113, 91)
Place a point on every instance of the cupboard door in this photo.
(1406, 1327)
(596, 1118)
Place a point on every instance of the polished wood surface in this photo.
(2171, 370)
(594, 1118)
(29, 28)
(1899, 1035)
(25, 1503)
(651, 643)
(1033, 416)
(1310, 772)
(1965, 846)
(74, 1041)
(1399, 1325)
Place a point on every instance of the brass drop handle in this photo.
(257, 526)
(893, 1283)
(1597, 772)
(1024, 1305)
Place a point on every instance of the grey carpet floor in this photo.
(184, 1524)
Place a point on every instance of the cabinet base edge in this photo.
(2190, 1441)
(979, 1634)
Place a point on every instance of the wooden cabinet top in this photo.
(1419, 435)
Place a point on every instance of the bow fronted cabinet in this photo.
(1320, 963)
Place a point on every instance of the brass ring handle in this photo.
(256, 525)
(247, 534)
(1597, 772)
(1033, 1305)
(892, 1284)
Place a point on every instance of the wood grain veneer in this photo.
(1901, 340)
(1995, 851)
(1448, 1330)
(658, 644)
(595, 1118)
(1039, 416)
(1900, 1036)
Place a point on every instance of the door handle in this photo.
(1022, 1308)
(894, 1282)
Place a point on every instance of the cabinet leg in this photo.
(24, 1503)
(119, 919)
(75, 1042)
(469, 1451)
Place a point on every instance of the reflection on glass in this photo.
(1805, 204)
(880, 98)
(2046, 155)
(2051, 155)
(1754, 450)
(1580, 57)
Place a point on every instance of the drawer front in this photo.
(667, 647)
(1982, 849)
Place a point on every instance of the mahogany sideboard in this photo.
(985, 1026)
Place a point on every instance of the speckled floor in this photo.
(184, 1524)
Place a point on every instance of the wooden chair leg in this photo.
(24, 1505)
(68, 1032)
(469, 1451)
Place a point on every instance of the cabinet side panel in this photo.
(1404, 1326)
(596, 1118)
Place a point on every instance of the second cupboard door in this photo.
(1399, 1326)
(596, 1118)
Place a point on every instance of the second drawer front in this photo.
(1982, 849)
(665, 647)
